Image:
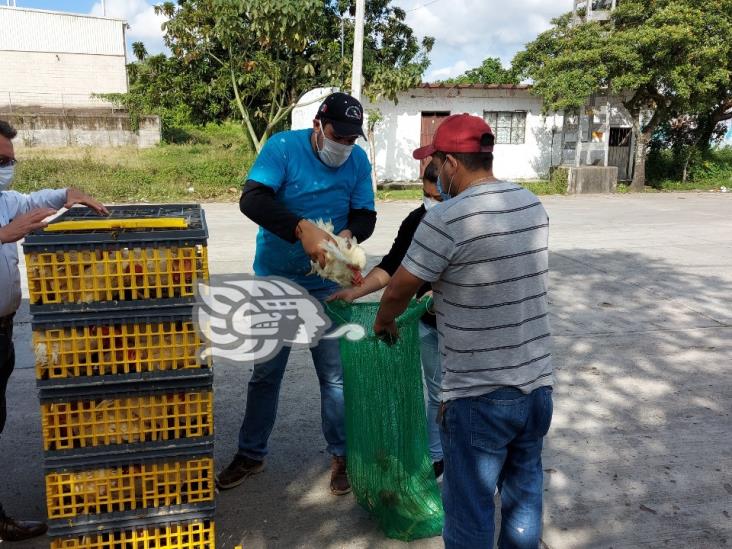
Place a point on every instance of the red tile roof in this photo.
(444, 85)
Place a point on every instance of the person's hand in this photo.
(24, 224)
(311, 237)
(75, 196)
(387, 332)
(349, 295)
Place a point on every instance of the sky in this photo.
(466, 31)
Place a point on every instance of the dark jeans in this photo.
(263, 394)
(7, 363)
(494, 440)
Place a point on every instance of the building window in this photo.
(509, 127)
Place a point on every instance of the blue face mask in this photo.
(440, 190)
(6, 177)
(445, 194)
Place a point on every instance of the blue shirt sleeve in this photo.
(362, 197)
(270, 166)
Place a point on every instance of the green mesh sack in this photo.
(388, 462)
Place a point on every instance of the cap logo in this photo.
(354, 112)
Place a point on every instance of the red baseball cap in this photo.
(459, 133)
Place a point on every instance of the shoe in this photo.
(439, 468)
(18, 530)
(240, 468)
(339, 484)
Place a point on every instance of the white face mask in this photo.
(6, 177)
(334, 154)
(429, 202)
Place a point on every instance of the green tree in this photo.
(272, 51)
(662, 57)
(139, 51)
(491, 71)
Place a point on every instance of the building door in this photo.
(430, 122)
(619, 154)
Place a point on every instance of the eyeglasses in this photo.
(6, 161)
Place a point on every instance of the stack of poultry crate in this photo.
(126, 399)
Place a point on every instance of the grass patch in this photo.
(209, 169)
(539, 187)
(400, 194)
(678, 186)
(544, 187)
(708, 173)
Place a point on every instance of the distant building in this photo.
(528, 143)
(59, 60)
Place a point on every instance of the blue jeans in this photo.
(264, 391)
(494, 440)
(430, 356)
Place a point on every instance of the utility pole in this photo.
(104, 8)
(356, 75)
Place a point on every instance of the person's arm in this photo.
(422, 263)
(258, 203)
(270, 170)
(374, 281)
(361, 224)
(56, 199)
(380, 275)
(24, 224)
(395, 300)
(362, 209)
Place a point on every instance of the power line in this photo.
(422, 6)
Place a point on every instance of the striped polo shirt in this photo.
(486, 254)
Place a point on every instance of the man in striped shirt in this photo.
(485, 251)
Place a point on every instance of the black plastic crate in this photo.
(86, 525)
(125, 348)
(174, 411)
(113, 267)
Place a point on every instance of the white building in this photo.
(528, 143)
(51, 59)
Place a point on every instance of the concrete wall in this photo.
(59, 60)
(399, 132)
(82, 130)
(592, 179)
(59, 80)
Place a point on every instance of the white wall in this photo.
(728, 138)
(399, 133)
(54, 59)
(307, 107)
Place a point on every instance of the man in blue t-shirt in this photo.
(299, 176)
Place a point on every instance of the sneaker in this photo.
(339, 484)
(439, 468)
(18, 530)
(238, 470)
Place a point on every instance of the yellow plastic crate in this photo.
(129, 488)
(125, 420)
(91, 350)
(86, 276)
(191, 535)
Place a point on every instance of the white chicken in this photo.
(344, 259)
